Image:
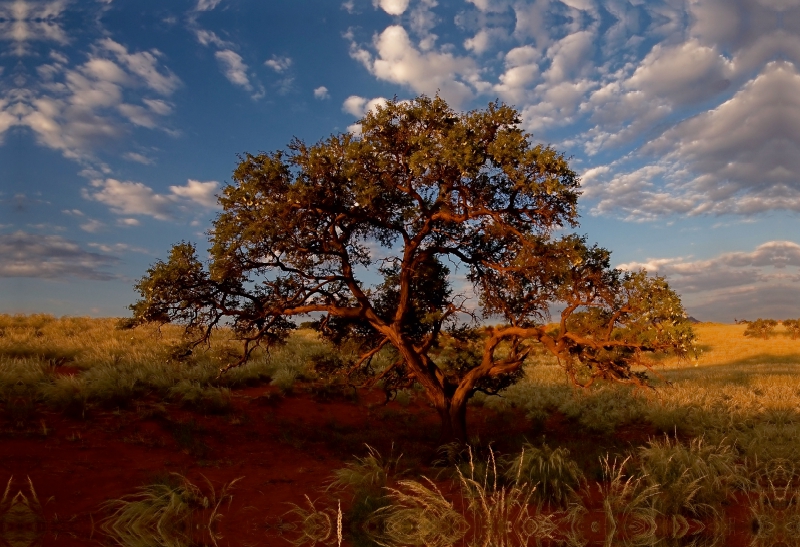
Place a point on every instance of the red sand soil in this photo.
(284, 448)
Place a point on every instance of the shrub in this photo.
(761, 328)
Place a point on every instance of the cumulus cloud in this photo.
(278, 64)
(207, 37)
(570, 56)
(199, 192)
(359, 106)
(392, 7)
(50, 257)
(75, 109)
(321, 93)
(522, 69)
(234, 68)
(144, 65)
(397, 60)
(136, 198)
(230, 62)
(741, 157)
(734, 281)
(92, 225)
(131, 198)
(22, 22)
(682, 73)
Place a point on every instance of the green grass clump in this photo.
(165, 514)
(694, 478)
(555, 475)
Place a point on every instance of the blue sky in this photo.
(121, 119)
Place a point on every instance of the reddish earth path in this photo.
(284, 448)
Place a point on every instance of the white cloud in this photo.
(278, 64)
(359, 106)
(683, 73)
(24, 21)
(131, 198)
(428, 72)
(522, 70)
(570, 56)
(482, 40)
(135, 198)
(234, 68)
(138, 158)
(206, 5)
(92, 225)
(74, 110)
(720, 286)
(488, 5)
(321, 93)
(392, 7)
(118, 248)
(198, 192)
(207, 37)
(742, 157)
(50, 257)
(144, 64)
(138, 115)
(158, 106)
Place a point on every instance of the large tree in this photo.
(367, 230)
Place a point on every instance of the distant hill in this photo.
(693, 320)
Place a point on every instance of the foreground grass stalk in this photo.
(166, 515)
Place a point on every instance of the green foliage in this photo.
(761, 328)
(424, 186)
(793, 326)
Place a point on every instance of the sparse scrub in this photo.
(792, 327)
(741, 394)
(761, 328)
(166, 514)
(693, 478)
(366, 479)
(555, 475)
(115, 367)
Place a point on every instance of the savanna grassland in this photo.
(127, 436)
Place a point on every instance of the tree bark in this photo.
(454, 420)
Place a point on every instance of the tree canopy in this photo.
(761, 328)
(369, 231)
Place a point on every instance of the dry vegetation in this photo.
(727, 431)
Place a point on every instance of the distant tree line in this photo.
(764, 328)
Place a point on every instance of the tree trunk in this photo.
(454, 420)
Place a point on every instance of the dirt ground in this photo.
(284, 448)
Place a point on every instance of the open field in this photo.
(711, 456)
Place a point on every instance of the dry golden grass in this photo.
(114, 366)
(726, 345)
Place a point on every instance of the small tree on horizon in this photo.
(367, 231)
(793, 326)
(761, 328)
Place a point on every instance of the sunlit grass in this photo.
(723, 420)
(113, 367)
